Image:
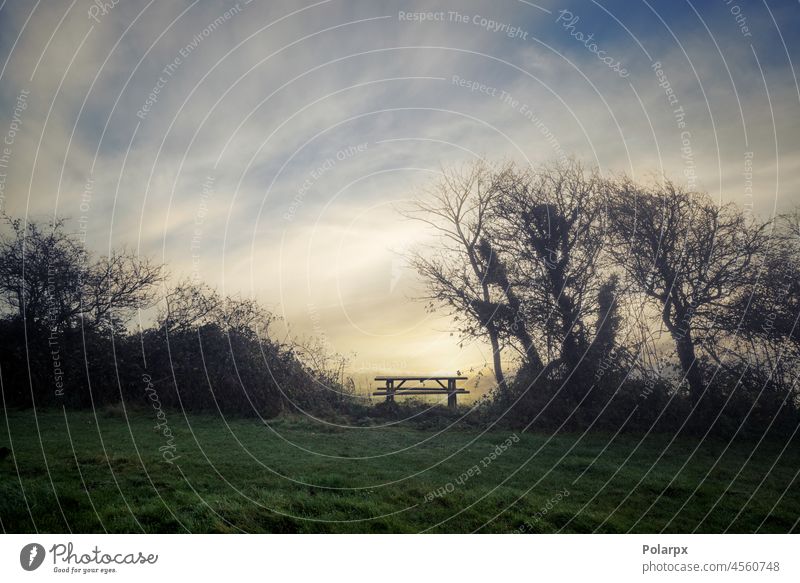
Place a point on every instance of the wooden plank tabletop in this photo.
(401, 392)
(419, 378)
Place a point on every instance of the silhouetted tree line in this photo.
(72, 334)
(617, 304)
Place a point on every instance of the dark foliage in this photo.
(64, 339)
(624, 306)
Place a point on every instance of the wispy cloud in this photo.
(312, 121)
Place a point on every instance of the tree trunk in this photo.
(531, 354)
(498, 366)
(519, 330)
(691, 368)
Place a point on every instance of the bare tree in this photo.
(551, 227)
(766, 315)
(459, 210)
(521, 260)
(689, 255)
(115, 286)
(48, 279)
(188, 305)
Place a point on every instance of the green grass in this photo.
(84, 473)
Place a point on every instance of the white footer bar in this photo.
(389, 558)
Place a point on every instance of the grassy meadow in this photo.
(86, 472)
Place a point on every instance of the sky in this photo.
(265, 147)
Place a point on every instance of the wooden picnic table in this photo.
(395, 386)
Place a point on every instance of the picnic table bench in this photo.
(395, 386)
